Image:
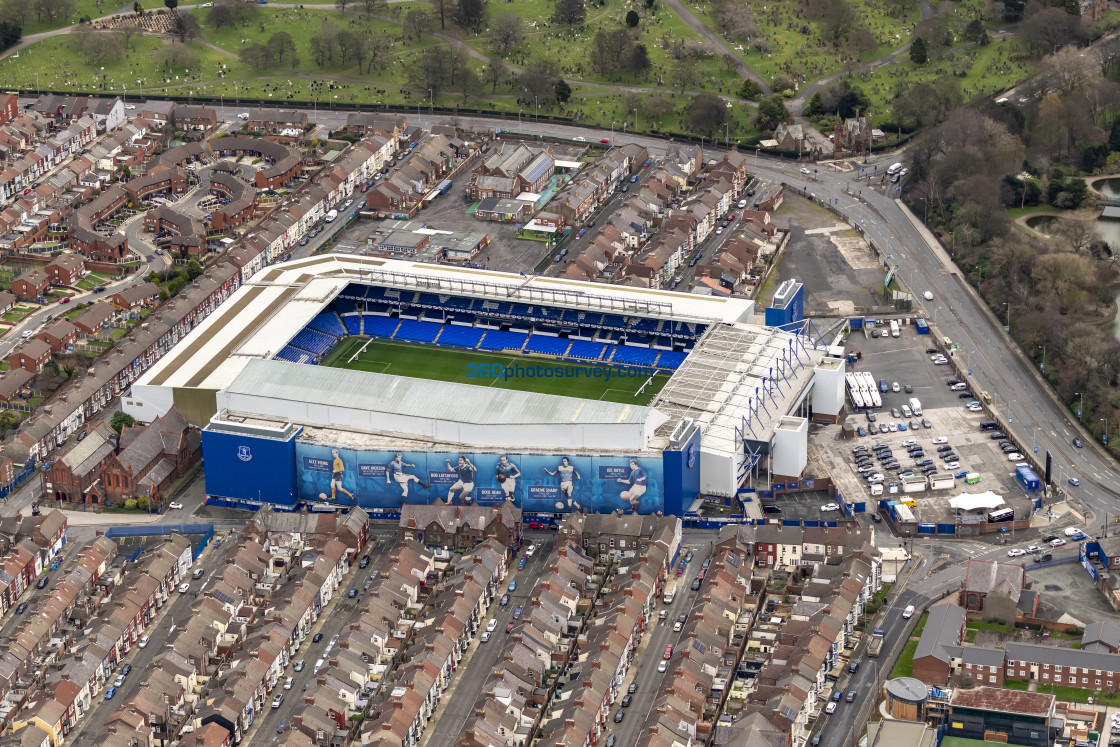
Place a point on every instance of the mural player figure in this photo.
(637, 482)
(507, 476)
(565, 470)
(394, 471)
(337, 470)
(465, 483)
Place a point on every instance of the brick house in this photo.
(30, 356)
(273, 122)
(67, 269)
(194, 117)
(95, 319)
(136, 297)
(59, 334)
(11, 384)
(460, 527)
(9, 108)
(31, 284)
(7, 302)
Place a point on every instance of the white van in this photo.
(243, 116)
(908, 612)
(894, 169)
(319, 664)
(877, 489)
(906, 411)
(331, 215)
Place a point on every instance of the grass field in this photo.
(467, 366)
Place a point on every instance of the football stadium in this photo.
(343, 380)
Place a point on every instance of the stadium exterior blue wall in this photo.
(248, 469)
(682, 476)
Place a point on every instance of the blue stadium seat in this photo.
(380, 326)
(433, 316)
(414, 331)
(586, 350)
(312, 341)
(591, 319)
(292, 355)
(634, 356)
(496, 339)
(613, 321)
(353, 323)
(571, 315)
(671, 359)
(633, 338)
(648, 325)
(456, 302)
(344, 306)
(547, 345)
(456, 336)
(328, 323)
(493, 308)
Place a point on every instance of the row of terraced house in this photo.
(220, 667)
(563, 665)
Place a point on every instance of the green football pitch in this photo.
(530, 374)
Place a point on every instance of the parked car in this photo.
(512, 585)
(184, 588)
(175, 506)
(110, 693)
(143, 643)
(830, 708)
(276, 701)
(317, 637)
(668, 652)
(352, 593)
(618, 716)
(504, 600)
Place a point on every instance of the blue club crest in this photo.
(244, 454)
(691, 456)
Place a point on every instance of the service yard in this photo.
(905, 362)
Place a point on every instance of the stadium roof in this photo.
(737, 383)
(359, 400)
(265, 313)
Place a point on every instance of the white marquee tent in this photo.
(970, 501)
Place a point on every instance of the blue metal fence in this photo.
(165, 530)
(27, 471)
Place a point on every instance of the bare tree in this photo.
(417, 21)
(507, 32)
(441, 8)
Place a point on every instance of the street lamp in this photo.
(1080, 405)
(518, 117)
(1104, 439)
(1042, 367)
(1008, 305)
(431, 101)
(635, 113)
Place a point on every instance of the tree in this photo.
(99, 47)
(563, 91)
(172, 4)
(507, 32)
(429, 71)
(176, 57)
(657, 108)
(918, 54)
(51, 10)
(10, 33)
(341, 5)
(258, 56)
(609, 50)
(14, 12)
(121, 420)
(371, 5)
(750, 90)
(183, 25)
(974, 30)
(130, 504)
(143, 503)
(570, 13)
(683, 73)
(706, 113)
(283, 46)
(469, 14)
(324, 44)
(417, 21)
(441, 8)
(638, 60)
(838, 22)
(772, 112)
(632, 18)
(494, 74)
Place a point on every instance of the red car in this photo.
(605, 140)
(509, 628)
(65, 300)
(680, 572)
(668, 653)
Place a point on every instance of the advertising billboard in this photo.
(244, 469)
(534, 482)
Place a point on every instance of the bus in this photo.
(894, 328)
(1003, 514)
